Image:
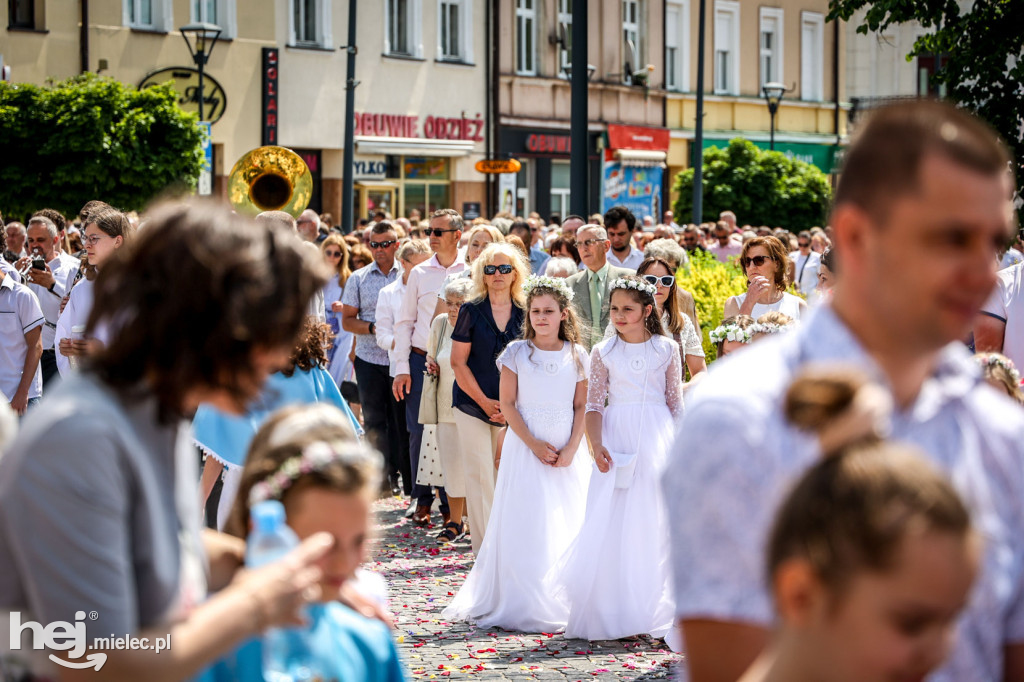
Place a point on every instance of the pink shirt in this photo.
(723, 253)
(412, 322)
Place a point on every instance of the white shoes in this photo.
(412, 508)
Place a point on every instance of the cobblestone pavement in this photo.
(423, 576)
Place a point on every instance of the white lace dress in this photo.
(538, 509)
(615, 577)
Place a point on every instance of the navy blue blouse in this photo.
(476, 327)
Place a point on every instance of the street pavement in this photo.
(422, 578)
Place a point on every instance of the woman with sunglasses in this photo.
(335, 252)
(485, 326)
(765, 262)
(677, 324)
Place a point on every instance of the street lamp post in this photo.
(773, 93)
(204, 37)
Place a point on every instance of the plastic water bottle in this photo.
(77, 334)
(287, 656)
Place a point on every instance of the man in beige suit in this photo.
(591, 284)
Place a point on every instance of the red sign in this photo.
(270, 73)
(555, 144)
(637, 137)
(434, 127)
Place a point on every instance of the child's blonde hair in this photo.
(1000, 371)
(279, 460)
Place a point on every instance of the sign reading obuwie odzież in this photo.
(186, 84)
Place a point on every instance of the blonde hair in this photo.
(998, 370)
(519, 268)
(344, 270)
(496, 236)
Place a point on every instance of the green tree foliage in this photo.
(983, 44)
(761, 187)
(711, 283)
(91, 137)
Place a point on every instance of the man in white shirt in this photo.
(47, 284)
(21, 346)
(804, 264)
(1014, 254)
(619, 223)
(919, 173)
(1000, 325)
(412, 329)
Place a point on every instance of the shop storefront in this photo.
(542, 185)
(634, 169)
(406, 163)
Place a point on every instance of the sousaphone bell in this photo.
(270, 178)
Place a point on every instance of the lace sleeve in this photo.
(597, 387)
(691, 340)
(673, 386)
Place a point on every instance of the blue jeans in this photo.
(423, 494)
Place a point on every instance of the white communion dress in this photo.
(615, 579)
(538, 509)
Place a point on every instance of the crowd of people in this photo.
(840, 495)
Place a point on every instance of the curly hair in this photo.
(196, 295)
(311, 347)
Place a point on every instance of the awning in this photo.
(641, 158)
(412, 146)
(376, 183)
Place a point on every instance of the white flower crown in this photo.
(732, 332)
(769, 328)
(545, 282)
(315, 457)
(639, 285)
(993, 360)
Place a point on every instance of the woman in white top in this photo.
(765, 262)
(107, 231)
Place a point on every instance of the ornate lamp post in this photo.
(773, 93)
(204, 37)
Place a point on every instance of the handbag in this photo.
(625, 462)
(428, 397)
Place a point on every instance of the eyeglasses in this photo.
(758, 261)
(591, 242)
(503, 269)
(664, 280)
(803, 245)
(383, 245)
(332, 254)
(93, 240)
(436, 232)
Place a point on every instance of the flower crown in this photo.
(769, 328)
(545, 282)
(732, 332)
(996, 360)
(639, 285)
(315, 457)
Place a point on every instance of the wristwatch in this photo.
(373, 328)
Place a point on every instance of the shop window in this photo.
(526, 37)
(402, 22)
(455, 30)
(565, 35)
(560, 188)
(21, 14)
(677, 53)
(152, 15)
(771, 45)
(812, 56)
(727, 47)
(310, 24)
(632, 48)
(219, 12)
(423, 168)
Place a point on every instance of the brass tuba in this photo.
(270, 179)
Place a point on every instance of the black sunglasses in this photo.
(383, 245)
(503, 269)
(803, 245)
(756, 260)
(665, 280)
(436, 232)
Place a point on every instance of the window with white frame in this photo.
(310, 23)
(526, 37)
(403, 21)
(677, 53)
(152, 15)
(812, 56)
(631, 48)
(771, 42)
(219, 12)
(565, 30)
(726, 67)
(455, 33)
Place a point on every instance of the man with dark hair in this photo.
(920, 212)
(725, 247)
(691, 239)
(529, 232)
(571, 224)
(619, 223)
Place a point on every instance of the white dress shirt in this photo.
(632, 261)
(389, 300)
(412, 323)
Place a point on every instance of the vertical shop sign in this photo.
(270, 93)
